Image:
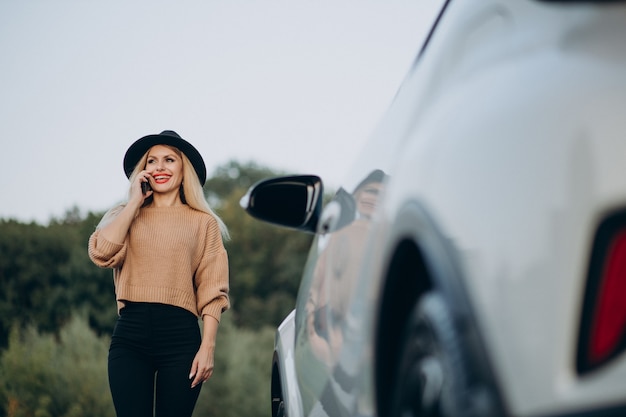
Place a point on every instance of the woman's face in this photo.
(367, 198)
(166, 168)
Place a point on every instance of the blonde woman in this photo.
(165, 245)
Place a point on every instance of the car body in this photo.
(489, 277)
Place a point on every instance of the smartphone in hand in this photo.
(145, 187)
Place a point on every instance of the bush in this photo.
(44, 375)
(65, 375)
(240, 385)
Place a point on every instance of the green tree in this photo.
(90, 289)
(31, 281)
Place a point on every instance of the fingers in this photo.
(192, 374)
(144, 176)
(201, 367)
(194, 368)
(139, 186)
(200, 372)
(201, 377)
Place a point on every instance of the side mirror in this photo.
(294, 202)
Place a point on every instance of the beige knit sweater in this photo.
(171, 255)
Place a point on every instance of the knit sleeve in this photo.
(211, 278)
(104, 253)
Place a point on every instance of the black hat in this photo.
(376, 175)
(167, 137)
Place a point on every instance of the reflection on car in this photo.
(473, 261)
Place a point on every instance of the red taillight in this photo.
(603, 324)
(609, 319)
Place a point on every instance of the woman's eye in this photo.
(170, 159)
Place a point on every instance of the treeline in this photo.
(57, 310)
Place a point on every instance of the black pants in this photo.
(152, 349)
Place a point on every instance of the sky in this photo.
(293, 85)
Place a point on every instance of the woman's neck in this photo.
(166, 200)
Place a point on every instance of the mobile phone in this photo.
(145, 187)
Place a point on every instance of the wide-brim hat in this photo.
(167, 137)
(376, 175)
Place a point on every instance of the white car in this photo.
(479, 269)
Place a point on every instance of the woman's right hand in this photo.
(136, 194)
(117, 229)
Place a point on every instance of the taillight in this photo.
(603, 323)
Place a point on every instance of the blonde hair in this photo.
(191, 192)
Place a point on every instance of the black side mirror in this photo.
(294, 201)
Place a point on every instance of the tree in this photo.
(31, 278)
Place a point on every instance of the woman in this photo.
(170, 268)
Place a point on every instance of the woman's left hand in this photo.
(202, 366)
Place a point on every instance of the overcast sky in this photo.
(293, 85)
